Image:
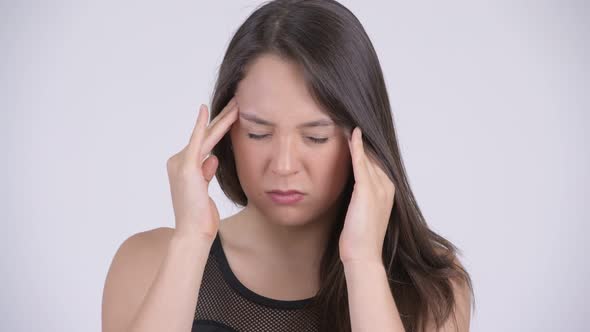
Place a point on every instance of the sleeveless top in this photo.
(224, 304)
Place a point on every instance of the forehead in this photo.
(274, 87)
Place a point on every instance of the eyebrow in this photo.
(253, 118)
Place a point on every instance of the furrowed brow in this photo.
(255, 119)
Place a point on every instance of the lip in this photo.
(285, 197)
(285, 192)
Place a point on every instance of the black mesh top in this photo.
(225, 304)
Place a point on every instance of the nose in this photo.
(284, 157)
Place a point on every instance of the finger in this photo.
(221, 114)
(367, 161)
(381, 173)
(194, 143)
(358, 162)
(216, 131)
(378, 174)
(371, 166)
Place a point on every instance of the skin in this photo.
(149, 284)
(281, 245)
(270, 245)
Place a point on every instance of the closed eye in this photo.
(253, 136)
(313, 139)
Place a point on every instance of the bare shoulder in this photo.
(132, 271)
(462, 310)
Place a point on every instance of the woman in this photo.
(300, 105)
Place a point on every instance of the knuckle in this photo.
(382, 192)
(391, 188)
(387, 192)
(391, 194)
(175, 163)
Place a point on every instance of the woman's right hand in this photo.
(189, 176)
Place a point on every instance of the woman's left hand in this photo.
(370, 207)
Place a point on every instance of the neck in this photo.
(298, 245)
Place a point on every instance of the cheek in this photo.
(332, 167)
(248, 163)
(245, 156)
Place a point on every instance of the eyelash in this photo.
(313, 139)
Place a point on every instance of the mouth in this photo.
(285, 192)
(285, 197)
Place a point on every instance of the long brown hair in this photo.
(343, 75)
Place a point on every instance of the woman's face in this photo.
(273, 149)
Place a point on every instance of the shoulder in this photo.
(150, 244)
(460, 287)
(132, 270)
(463, 299)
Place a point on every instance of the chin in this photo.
(280, 216)
(285, 215)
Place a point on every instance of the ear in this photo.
(210, 167)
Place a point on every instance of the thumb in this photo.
(210, 167)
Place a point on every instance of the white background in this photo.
(490, 100)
